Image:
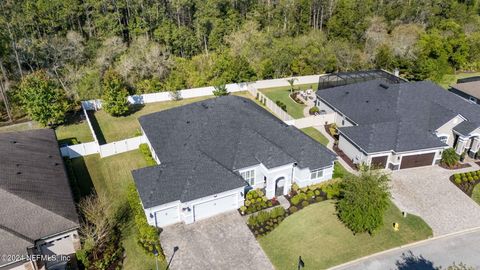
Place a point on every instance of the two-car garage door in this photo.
(215, 207)
(412, 161)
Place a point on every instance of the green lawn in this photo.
(316, 135)
(339, 171)
(282, 94)
(124, 127)
(111, 176)
(19, 127)
(450, 79)
(476, 194)
(323, 241)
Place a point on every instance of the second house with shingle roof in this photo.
(210, 153)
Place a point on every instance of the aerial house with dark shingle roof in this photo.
(400, 125)
(210, 152)
(38, 214)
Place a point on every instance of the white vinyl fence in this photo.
(310, 121)
(118, 147)
(105, 150)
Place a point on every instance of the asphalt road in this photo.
(432, 254)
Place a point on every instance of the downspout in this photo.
(293, 171)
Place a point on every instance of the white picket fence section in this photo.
(80, 150)
(122, 146)
(310, 121)
(105, 150)
(206, 91)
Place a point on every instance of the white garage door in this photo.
(167, 216)
(214, 207)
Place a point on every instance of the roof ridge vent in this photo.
(384, 86)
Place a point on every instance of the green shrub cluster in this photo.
(314, 110)
(265, 221)
(302, 197)
(450, 158)
(460, 178)
(148, 236)
(255, 200)
(110, 256)
(147, 154)
(282, 105)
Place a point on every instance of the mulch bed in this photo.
(274, 203)
(456, 167)
(295, 99)
(466, 187)
(345, 158)
(327, 129)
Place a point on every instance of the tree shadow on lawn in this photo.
(80, 180)
(96, 127)
(409, 261)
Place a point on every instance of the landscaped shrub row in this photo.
(466, 181)
(255, 200)
(265, 221)
(314, 110)
(147, 154)
(303, 197)
(282, 105)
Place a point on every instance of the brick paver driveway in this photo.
(221, 242)
(428, 193)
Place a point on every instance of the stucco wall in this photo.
(351, 150)
(303, 176)
(340, 119)
(447, 129)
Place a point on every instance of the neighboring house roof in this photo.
(215, 138)
(470, 88)
(35, 196)
(399, 117)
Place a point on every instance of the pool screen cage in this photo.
(344, 78)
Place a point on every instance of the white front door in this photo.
(167, 216)
(215, 207)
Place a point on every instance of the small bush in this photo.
(252, 221)
(314, 110)
(450, 157)
(317, 192)
(292, 209)
(458, 181)
(310, 194)
(147, 154)
(277, 212)
(243, 209)
(319, 199)
(305, 204)
(281, 105)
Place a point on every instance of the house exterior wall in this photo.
(303, 176)
(351, 150)
(340, 119)
(66, 243)
(447, 129)
(185, 209)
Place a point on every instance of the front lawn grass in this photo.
(124, 127)
(283, 94)
(476, 194)
(112, 175)
(316, 234)
(339, 171)
(316, 135)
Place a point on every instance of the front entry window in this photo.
(249, 176)
(316, 174)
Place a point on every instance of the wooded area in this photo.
(175, 44)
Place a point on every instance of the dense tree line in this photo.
(173, 44)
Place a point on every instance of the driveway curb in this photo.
(466, 231)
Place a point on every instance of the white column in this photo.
(461, 145)
(475, 145)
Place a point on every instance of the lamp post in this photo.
(175, 249)
(301, 264)
(155, 252)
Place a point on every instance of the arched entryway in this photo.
(279, 186)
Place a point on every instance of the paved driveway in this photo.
(221, 242)
(428, 255)
(428, 192)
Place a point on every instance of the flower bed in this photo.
(303, 197)
(265, 221)
(255, 201)
(455, 167)
(466, 181)
(295, 98)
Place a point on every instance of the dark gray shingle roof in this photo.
(399, 117)
(223, 134)
(35, 196)
(465, 127)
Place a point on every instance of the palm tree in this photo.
(291, 82)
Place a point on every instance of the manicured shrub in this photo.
(317, 192)
(243, 209)
(276, 212)
(147, 154)
(282, 105)
(305, 204)
(252, 221)
(332, 190)
(248, 203)
(292, 209)
(310, 194)
(314, 110)
(464, 179)
(295, 187)
(319, 199)
(458, 181)
(470, 179)
(269, 204)
(295, 200)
